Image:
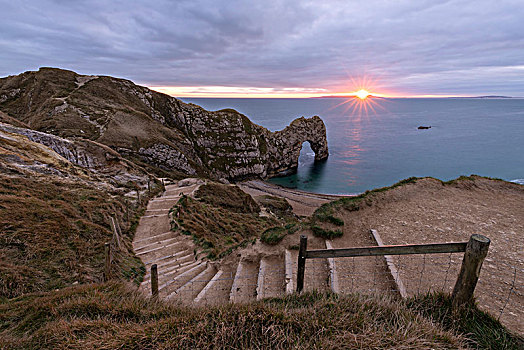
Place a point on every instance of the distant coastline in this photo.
(453, 97)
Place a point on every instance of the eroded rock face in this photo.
(97, 158)
(160, 130)
(167, 157)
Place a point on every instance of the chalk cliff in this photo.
(153, 129)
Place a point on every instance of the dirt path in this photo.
(429, 212)
(303, 203)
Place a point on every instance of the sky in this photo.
(275, 48)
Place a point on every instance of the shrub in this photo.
(328, 234)
(273, 235)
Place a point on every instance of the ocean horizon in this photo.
(381, 144)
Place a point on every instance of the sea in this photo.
(377, 142)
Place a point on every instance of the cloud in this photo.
(457, 47)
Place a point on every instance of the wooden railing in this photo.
(475, 250)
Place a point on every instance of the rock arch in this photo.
(286, 145)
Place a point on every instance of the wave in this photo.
(518, 181)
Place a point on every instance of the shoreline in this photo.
(304, 203)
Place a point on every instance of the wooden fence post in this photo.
(148, 185)
(107, 264)
(154, 281)
(116, 234)
(476, 251)
(301, 263)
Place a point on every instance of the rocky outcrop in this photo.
(167, 157)
(58, 152)
(160, 130)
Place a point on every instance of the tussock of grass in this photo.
(113, 316)
(277, 205)
(223, 218)
(327, 234)
(227, 197)
(273, 235)
(217, 230)
(479, 328)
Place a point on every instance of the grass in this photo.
(480, 329)
(273, 235)
(223, 218)
(218, 231)
(113, 315)
(227, 197)
(52, 234)
(327, 234)
(277, 205)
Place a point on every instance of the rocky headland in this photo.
(162, 133)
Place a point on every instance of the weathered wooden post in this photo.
(154, 281)
(301, 263)
(476, 251)
(148, 185)
(107, 264)
(116, 234)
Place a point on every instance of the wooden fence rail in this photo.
(475, 250)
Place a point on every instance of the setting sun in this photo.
(362, 94)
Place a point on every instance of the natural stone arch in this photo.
(287, 144)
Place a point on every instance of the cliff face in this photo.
(154, 128)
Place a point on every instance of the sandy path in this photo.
(303, 203)
(429, 212)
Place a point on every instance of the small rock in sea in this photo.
(424, 127)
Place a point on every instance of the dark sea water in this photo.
(383, 145)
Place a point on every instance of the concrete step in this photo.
(174, 273)
(163, 260)
(271, 277)
(244, 288)
(175, 267)
(291, 271)
(187, 292)
(218, 290)
(154, 238)
(172, 285)
(165, 246)
(333, 275)
(156, 244)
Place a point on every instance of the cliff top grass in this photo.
(325, 223)
(52, 234)
(113, 316)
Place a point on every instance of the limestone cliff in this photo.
(155, 129)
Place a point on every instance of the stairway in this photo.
(250, 275)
